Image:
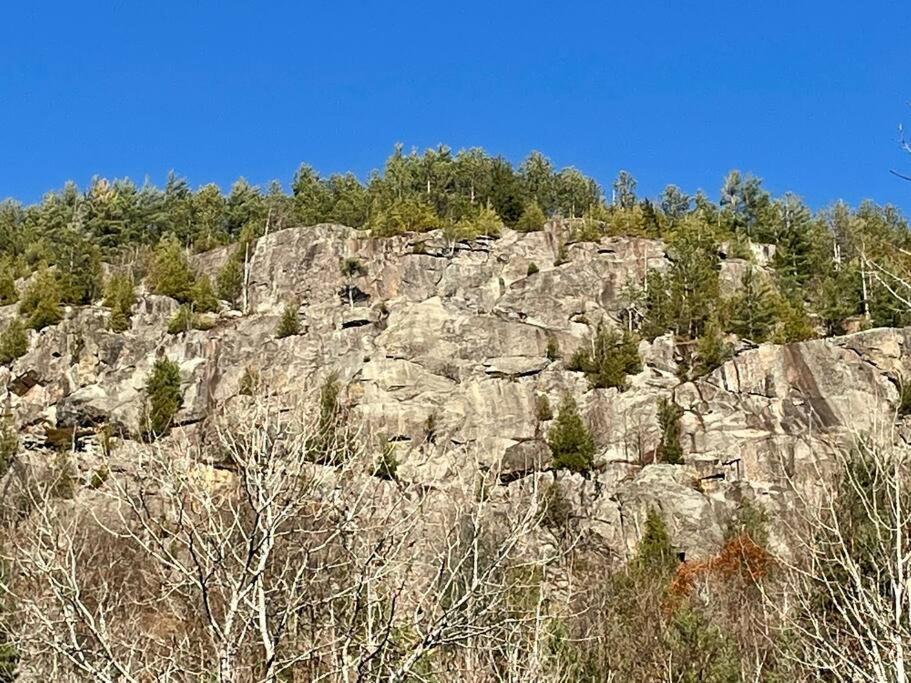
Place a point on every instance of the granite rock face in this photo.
(446, 351)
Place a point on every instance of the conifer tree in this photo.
(9, 442)
(164, 398)
(669, 450)
(203, 296)
(40, 302)
(607, 358)
(571, 443)
(13, 342)
(170, 273)
(230, 281)
(120, 298)
(655, 554)
(8, 291)
(289, 324)
(754, 309)
(711, 349)
(532, 218)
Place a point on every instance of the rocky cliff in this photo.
(443, 350)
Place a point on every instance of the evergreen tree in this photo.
(289, 324)
(230, 281)
(532, 218)
(571, 443)
(203, 297)
(120, 298)
(13, 342)
(164, 398)
(40, 302)
(669, 449)
(607, 358)
(170, 273)
(8, 292)
(711, 349)
(182, 320)
(78, 269)
(9, 444)
(624, 191)
(754, 309)
(655, 555)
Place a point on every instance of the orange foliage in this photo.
(740, 558)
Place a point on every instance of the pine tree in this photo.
(170, 273)
(571, 443)
(532, 218)
(754, 309)
(8, 291)
(607, 358)
(655, 554)
(40, 302)
(230, 281)
(669, 450)
(711, 349)
(13, 342)
(181, 321)
(289, 324)
(120, 298)
(203, 297)
(164, 398)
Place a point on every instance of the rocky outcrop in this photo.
(444, 350)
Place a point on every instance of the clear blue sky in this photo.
(807, 95)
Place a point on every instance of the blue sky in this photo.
(807, 95)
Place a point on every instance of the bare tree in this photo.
(843, 599)
(237, 557)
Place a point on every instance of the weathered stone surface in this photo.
(453, 340)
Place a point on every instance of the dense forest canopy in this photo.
(827, 266)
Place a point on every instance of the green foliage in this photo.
(203, 296)
(331, 444)
(794, 325)
(352, 267)
(532, 218)
(181, 321)
(754, 309)
(289, 324)
(250, 382)
(655, 555)
(543, 411)
(711, 349)
(532, 269)
(387, 464)
(78, 269)
(571, 443)
(552, 350)
(8, 292)
(607, 358)
(120, 297)
(13, 342)
(170, 273)
(230, 280)
(40, 303)
(163, 398)
(404, 215)
(556, 509)
(904, 397)
(669, 449)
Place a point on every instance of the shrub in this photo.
(904, 396)
(13, 342)
(404, 215)
(181, 321)
(711, 349)
(532, 269)
(387, 464)
(543, 411)
(163, 398)
(552, 351)
(289, 324)
(8, 291)
(250, 382)
(556, 509)
(570, 441)
(532, 218)
(655, 554)
(669, 449)
(230, 280)
(40, 302)
(352, 267)
(170, 273)
(120, 298)
(607, 358)
(203, 296)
